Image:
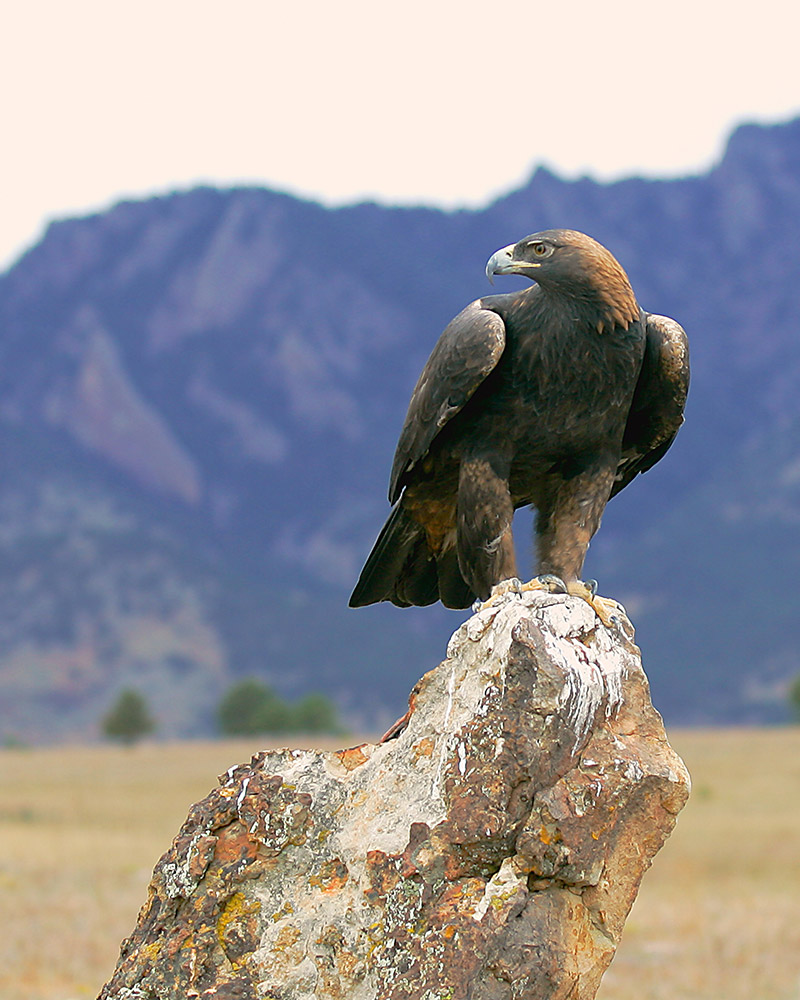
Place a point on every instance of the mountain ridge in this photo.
(199, 399)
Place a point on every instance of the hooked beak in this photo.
(503, 262)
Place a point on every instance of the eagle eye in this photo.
(539, 249)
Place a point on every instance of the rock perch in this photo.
(491, 852)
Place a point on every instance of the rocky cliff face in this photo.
(491, 852)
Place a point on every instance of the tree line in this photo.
(249, 708)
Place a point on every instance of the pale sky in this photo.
(446, 102)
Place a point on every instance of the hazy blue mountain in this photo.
(199, 400)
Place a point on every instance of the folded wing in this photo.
(656, 413)
(464, 355)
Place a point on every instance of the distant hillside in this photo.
(199, 400)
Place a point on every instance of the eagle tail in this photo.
(454, 591)
(400, 568)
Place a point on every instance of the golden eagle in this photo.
(555, 396)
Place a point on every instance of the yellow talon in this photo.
(513, 585)
(510, 586)
(610, 613)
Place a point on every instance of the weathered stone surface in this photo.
(491, 852)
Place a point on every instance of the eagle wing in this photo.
(656, 412)
(466, 352)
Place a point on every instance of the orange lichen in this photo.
(234, 843)
(332, 875)
(353, 757)
(423, 748)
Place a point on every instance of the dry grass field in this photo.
(718, 917)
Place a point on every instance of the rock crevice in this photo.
(490, 852)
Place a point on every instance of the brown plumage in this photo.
(556, 396)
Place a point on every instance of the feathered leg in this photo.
(484, 515)
(569, 513)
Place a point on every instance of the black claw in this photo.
(553, 583)
(591, 586)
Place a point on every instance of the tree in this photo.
(315, 714)
(794, 697)
(129, 718)
(251, 707)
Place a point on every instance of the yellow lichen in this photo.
(236, 909)
(151, 951)
(284, 911)
(287, 936)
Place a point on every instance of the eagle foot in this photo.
(547, 581)
(511, 586)
(609, 612)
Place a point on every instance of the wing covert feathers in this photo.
(656, 412)
(466, 352)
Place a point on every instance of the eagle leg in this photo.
(569, 510)
(484, 512)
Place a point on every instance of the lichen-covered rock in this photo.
(491, 852)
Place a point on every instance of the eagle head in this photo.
(572, 264)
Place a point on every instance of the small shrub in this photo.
(251, 708)
(316, 714)
(794, 697)
(129, 718)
